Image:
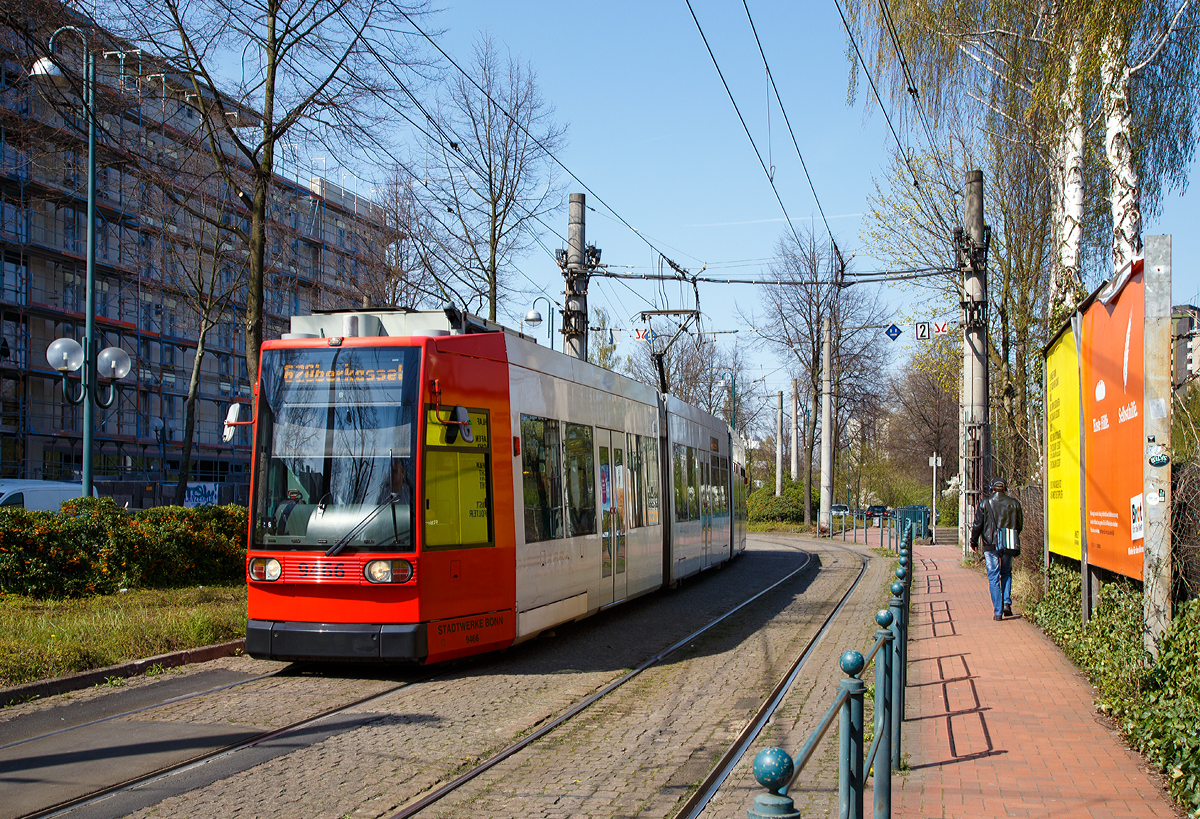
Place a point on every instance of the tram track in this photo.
(708, 788)
(230, 751)
(204, 758)
(728, 761)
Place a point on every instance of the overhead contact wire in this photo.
(742, 119)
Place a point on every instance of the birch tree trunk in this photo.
(1066, 283)
(1123, 177)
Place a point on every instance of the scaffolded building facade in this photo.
(166, 247)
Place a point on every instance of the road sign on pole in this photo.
(893, 332)
(924, 331)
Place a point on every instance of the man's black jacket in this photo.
(1000, 511)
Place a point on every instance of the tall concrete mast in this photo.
(576, 272)
(975, 457)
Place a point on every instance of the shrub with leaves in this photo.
(764, 506)
(1156, 704)
(95, 547)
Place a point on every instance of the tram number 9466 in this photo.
(330, 570)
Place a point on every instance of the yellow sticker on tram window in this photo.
(440, 433)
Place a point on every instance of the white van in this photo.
(39, 496)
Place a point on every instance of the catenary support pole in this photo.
(779, 447)
(976, 440)
(795, 430)
(576, 276)
(1156, 468)
(825, 521)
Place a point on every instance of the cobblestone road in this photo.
(639, 752)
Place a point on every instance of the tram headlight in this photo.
(388, 571)
(378, 571)
(265, 568)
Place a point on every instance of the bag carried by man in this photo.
(1008, 542)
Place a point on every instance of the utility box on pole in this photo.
(975, 440)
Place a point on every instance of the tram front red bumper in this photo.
(268, 640)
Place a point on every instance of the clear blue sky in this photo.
(653, 133)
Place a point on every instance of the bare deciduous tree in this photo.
(790, 325)
(311, 72)
(403, 273)
(491, 176)
(201, 265)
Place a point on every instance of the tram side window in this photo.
(540, 462)
(637, 501)
(580, 480)
(679, 468)
(721, 486)
(693, 484)
(649, 449)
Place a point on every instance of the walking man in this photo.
(1000, 511)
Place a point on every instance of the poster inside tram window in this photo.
(1062, 447)
(1114, 444)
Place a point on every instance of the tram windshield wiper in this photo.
(388, 502)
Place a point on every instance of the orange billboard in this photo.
(1114, 445)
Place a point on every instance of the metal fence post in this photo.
(882, 763)
(773, 768)
(850, 738)
(896, 605)
(904, 621)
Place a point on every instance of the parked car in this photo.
(840, 509)
(878, 511)
(39, 496)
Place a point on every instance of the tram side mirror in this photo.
(459, 425)
(232, 418)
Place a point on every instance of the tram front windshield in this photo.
(335, 449)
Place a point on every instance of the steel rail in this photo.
(216, 753)
(429, 799)
(143, 709)
(728, 761)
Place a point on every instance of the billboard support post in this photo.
(1157, 428)
(1085, 570)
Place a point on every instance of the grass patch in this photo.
(49, 638)
(776, 526)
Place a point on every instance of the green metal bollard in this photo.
(882, 763)
(850, 738)
(773, 769)
(896, 605)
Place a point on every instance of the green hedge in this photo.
(95, 547)
(1156, 704)
(763, 506)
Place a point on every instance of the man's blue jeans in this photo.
(999, 572)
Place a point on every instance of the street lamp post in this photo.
(533, 318)
(65, 354)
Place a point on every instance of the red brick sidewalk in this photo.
(998, 721)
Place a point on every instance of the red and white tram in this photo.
(428, 485)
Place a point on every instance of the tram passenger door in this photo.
(612, 515)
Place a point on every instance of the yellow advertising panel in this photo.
(1062, 447)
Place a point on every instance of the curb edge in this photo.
(130, 668)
